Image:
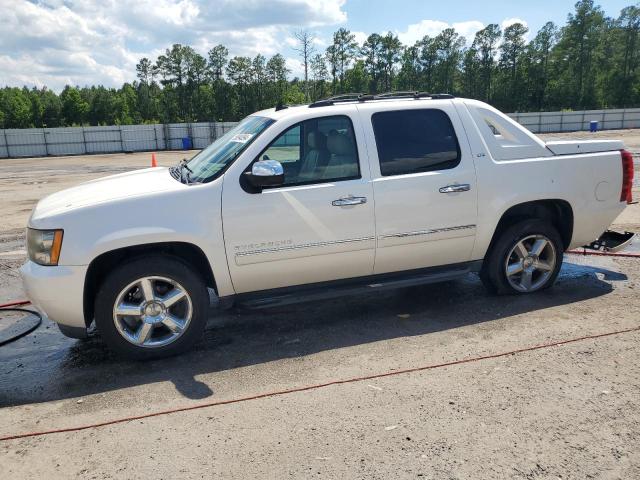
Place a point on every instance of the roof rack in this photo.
(400, 93)
(281, 106)
(361, 97)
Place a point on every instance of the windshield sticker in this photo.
(242, 137)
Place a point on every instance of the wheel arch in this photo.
(100, 266)
(558, 212)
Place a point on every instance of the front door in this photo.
(424, 185)
(319, 225)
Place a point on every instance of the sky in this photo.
(98, 42)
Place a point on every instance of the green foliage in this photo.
(357, 77)
(294, 95)
(486, 44)
(344, 51)
(319, 75)
(74, 107)
(511, 81)
(577, 51)
(16, 106)
(593, 61)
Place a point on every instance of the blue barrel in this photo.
(593, 126)
(186, 143)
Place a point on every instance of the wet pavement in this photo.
(47, 366)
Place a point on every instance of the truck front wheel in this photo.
(526, 258)
(152, 307)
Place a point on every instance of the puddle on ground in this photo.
(573, 268)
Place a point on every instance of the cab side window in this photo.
(315, 151)
(287, 147)
(412, 141)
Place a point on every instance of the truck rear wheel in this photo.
(152, 307)
(526, 258)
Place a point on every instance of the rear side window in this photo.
(411, 141)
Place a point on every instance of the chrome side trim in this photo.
(303, 246)
(427, 232)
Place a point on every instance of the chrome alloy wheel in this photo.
(152, 312)
(530, 263)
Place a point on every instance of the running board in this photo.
(328, 290)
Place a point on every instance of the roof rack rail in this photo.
(345, 97)
(361, 97)
(283, 106)
(400, 93)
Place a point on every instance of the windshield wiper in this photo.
(178, 172)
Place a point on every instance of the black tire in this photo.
(151, 266)
(493, 273)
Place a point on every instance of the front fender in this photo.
(188, 216)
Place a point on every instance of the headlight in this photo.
(43, 246)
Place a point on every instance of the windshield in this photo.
(211, 161)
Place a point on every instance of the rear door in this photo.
(424, 185)
(319, 225)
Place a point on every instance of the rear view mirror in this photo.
(266, 173)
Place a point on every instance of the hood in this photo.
(107, 189)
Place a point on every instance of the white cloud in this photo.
(510, 21)
(468, 29)
(87, 42)
(319, 41)
(295, 66)
(291, 42)
(416, 31)
(84, 42)
(360, 37)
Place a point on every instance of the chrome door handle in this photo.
(462, 187)
(350, 200)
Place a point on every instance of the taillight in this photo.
(627, 177)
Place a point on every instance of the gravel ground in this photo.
(569, 411)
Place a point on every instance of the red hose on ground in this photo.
(314, 387)
(603, 254)
(15, 303)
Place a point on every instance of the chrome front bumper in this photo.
(58, 293)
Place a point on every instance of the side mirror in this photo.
(266, 173)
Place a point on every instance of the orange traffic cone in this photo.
(154, 162)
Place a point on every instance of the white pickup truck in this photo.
(347, 194)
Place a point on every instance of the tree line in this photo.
(590, 62)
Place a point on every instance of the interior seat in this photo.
(316, 158)
(343, 161)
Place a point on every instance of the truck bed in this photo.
(572, 147)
